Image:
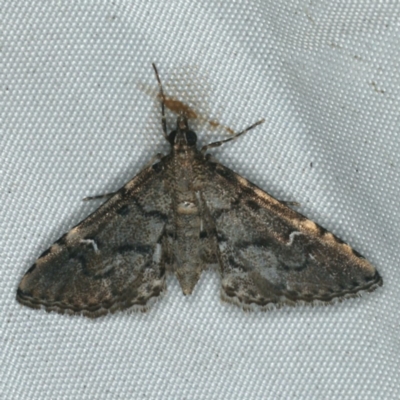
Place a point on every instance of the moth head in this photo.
(182, 136)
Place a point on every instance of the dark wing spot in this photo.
(171, 234)
(158, 167)
(299, 268)
(143, 249)
(287, 268)
(203, 234)
(253, 205)
(261, 242)
(221, 237)
(125, 249)
(154, 213)
(124, 210)
(137, 248)
(234, 264)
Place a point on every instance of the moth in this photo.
(179, 215)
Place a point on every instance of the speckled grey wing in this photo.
(271, 255)
(112, 260)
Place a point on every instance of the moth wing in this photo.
(269, 254)
(112, 260)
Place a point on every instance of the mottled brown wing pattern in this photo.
(112, 260)
(180, 214)
(272, 255)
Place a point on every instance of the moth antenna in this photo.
(162, 99)
(221, 142)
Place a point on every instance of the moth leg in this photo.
(221, 142)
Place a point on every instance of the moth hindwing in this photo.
(179, 215)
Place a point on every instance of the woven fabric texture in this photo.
(79, 117)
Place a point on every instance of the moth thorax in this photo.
(184, 138)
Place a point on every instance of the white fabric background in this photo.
(76, 120)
